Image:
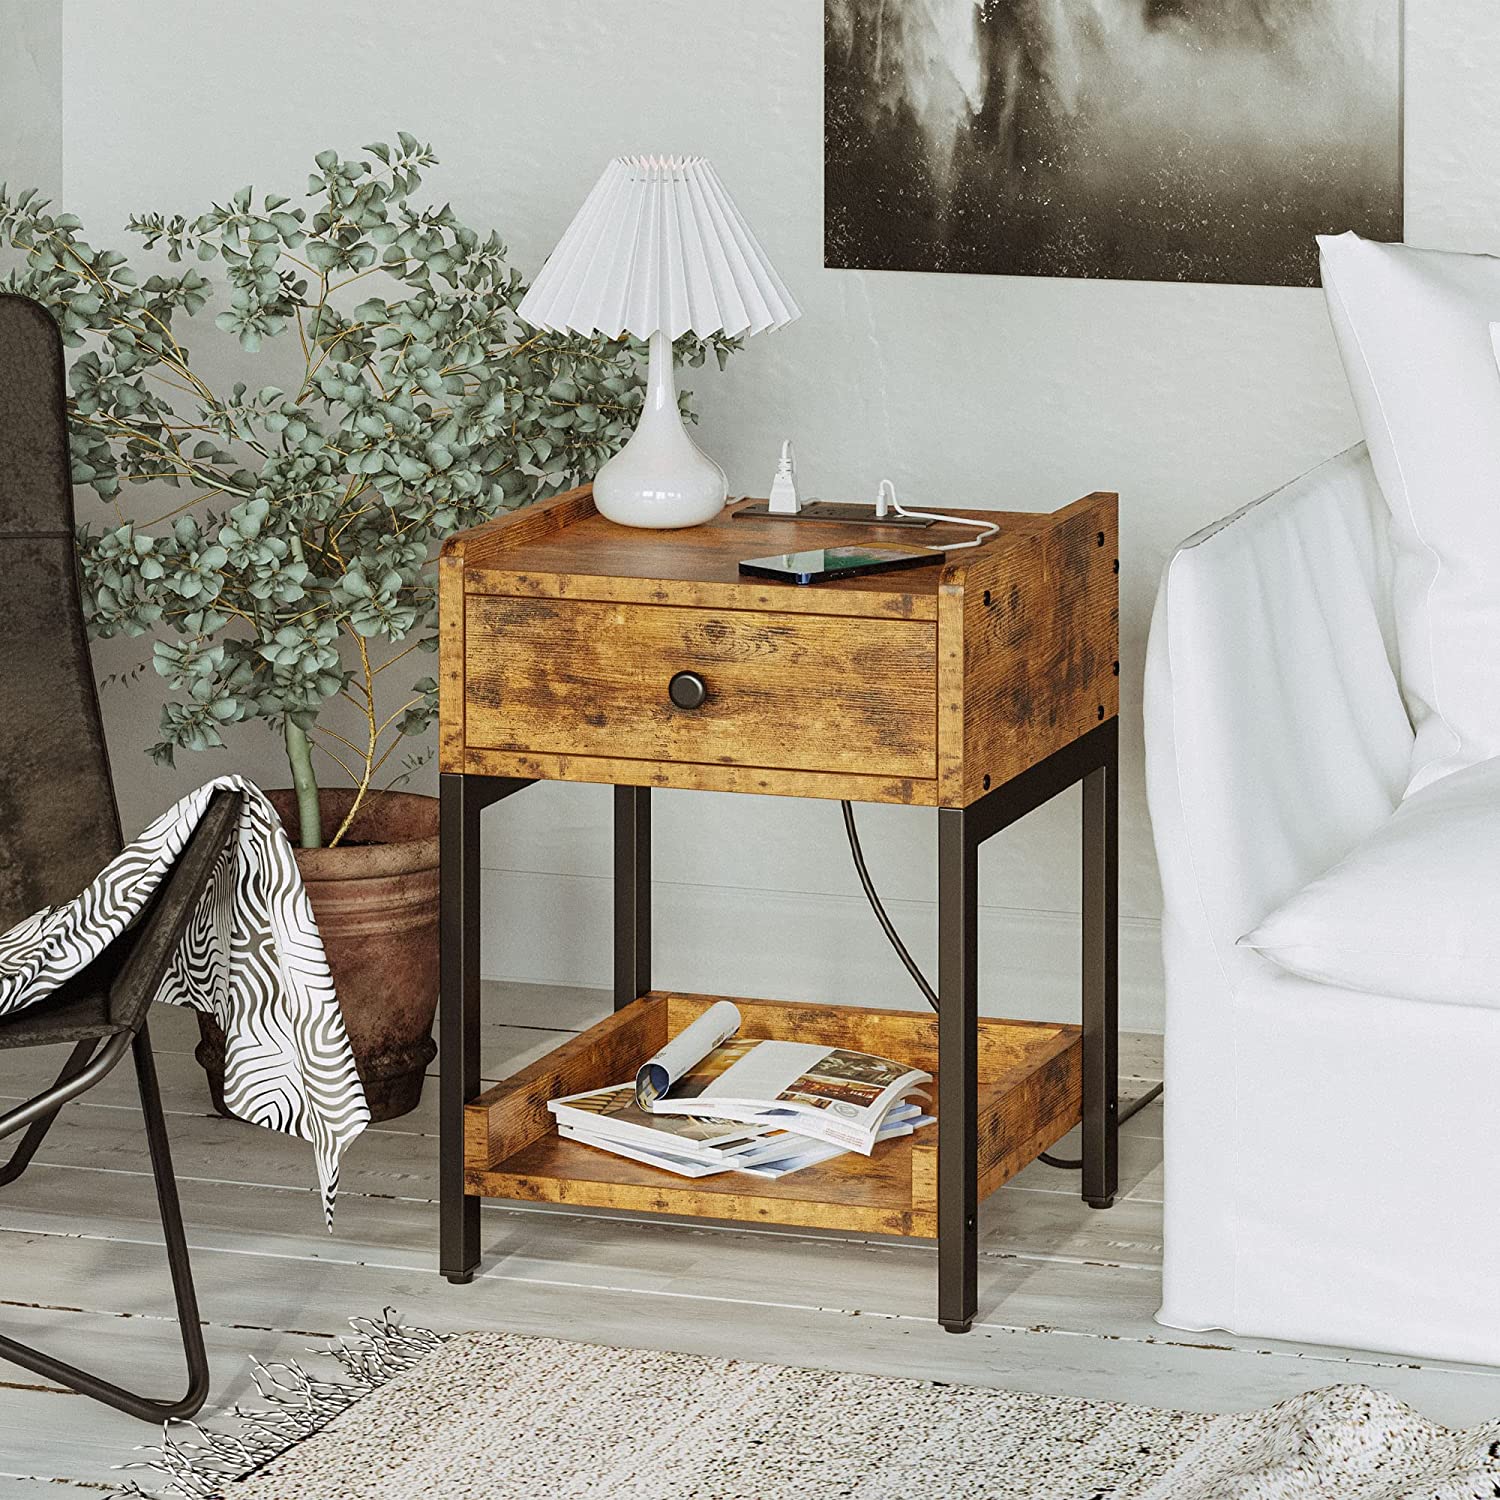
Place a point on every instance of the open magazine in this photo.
(710, 1102)
(827, 1093)
(613, 1112)
(601, 1119)
(611, 1120)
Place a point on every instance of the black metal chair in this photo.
(59, 824)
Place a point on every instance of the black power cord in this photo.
(1075, 1163)
(1065, 1163)
(873, 896)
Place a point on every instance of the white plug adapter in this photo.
(784, 501)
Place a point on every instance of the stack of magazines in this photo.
(711, 1101)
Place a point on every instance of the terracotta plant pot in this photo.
(376, 903)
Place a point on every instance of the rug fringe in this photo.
(198, 1463)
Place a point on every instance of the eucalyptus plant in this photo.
(294, 567)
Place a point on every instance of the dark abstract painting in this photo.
(1160, 140)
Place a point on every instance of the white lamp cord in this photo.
(885, 502)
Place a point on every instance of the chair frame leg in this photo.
(36, 1132)
(82, 1381)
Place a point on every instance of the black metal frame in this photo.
(79, 1073)
(146, 949)
(1093, 760)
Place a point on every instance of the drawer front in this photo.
(791, 692)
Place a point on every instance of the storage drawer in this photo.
(791, 692)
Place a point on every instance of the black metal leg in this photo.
(458, 1026)
(632, 893)
(36, 1132)
(176, 1240)
(1092, 759)
(1101, 979)
(182, 1281)
(462, 798)
(958, 1072)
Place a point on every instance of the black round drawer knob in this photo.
(688, 690)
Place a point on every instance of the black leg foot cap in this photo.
(1108, 1202)
(459, 1278)
(963, 1327)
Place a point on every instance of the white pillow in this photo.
(1414, 911)
(1413, 327)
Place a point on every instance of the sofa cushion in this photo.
(1412, 912)
(1413, 327)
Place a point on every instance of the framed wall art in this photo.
(1163, 140)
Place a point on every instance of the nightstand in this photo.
(576, 650)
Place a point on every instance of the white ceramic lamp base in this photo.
(661, 478)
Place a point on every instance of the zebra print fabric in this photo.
(252, 957)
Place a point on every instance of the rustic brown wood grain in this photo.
(869, 1194)
(1018, 1116)
(519, 528)
(451, 661)
(1008, 1049)
(950, 690)
(1038, 616)
(930, 686)
(1029, 1096)
(542, 519)
(574, 626)
(1027, 1112)
(687, 776)
(510, 1116)
(699, 565)
(791, 692)
(744, 593)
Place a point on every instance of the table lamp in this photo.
(658, 250)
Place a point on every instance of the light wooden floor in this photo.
(1066, 1296)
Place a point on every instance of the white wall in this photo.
(966, 390)
(31, 95)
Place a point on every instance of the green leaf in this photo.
(315, 514)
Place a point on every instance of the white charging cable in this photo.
(885, 502)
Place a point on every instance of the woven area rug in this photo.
(507, 1417)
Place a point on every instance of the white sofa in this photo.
(1330, 1155)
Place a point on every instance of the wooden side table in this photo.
(982, 687)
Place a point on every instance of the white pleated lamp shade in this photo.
(658, 247)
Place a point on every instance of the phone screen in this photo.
(815, 564)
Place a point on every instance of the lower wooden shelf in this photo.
(1030, 1095)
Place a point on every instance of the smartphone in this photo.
(819, 564)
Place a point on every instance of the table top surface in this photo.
(591, 546)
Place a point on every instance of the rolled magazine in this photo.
(688, 1048)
